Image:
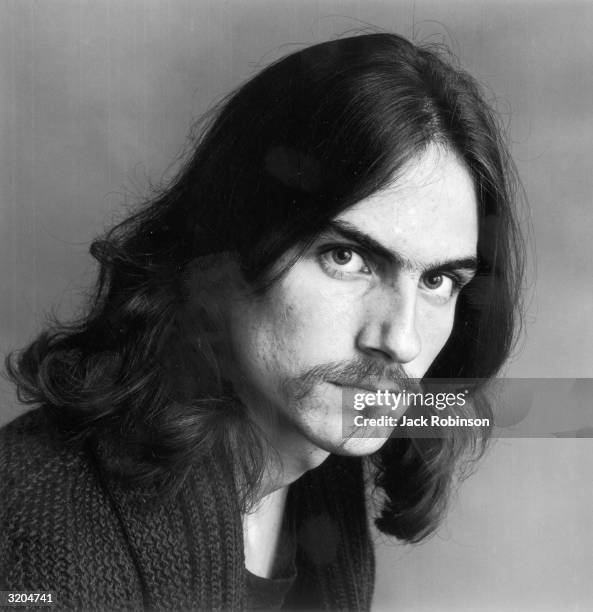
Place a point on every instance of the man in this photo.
(346, 223)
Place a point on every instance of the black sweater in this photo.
(68, 527)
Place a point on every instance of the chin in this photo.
(360, 447)
(333, 432)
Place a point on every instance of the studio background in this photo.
(96, 101)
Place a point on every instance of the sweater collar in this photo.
(188, 549)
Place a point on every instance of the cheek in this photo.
(302, 322)
(268, 336)
(259, 354)
(311, 327)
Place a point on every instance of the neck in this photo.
(283, 467)
(288, 456)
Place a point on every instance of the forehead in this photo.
(428, 213)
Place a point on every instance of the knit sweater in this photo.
(70, 528)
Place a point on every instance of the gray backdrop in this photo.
(96, 99)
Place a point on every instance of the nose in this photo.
(389, 327)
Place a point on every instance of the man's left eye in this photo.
(439, 284)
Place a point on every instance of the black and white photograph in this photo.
(296, 307)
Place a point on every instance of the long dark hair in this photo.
(303, 140)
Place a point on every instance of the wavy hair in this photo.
(303, 140)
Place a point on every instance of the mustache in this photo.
(360, 372)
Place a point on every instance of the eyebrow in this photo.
(349, 232)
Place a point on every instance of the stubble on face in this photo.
(312, 394)
(329, 326)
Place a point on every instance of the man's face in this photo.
(374, 296)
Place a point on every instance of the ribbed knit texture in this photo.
(69, 528)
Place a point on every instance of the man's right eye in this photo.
(343, 261)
